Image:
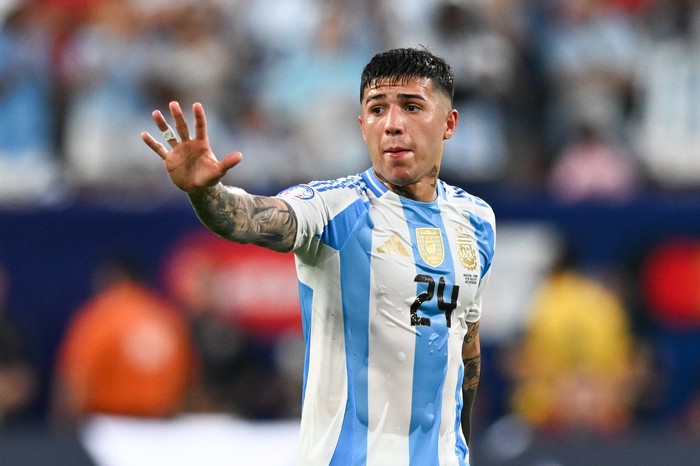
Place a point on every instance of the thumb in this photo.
(230, 161)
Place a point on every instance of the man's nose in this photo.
(394, 121)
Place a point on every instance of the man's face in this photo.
(405, 126)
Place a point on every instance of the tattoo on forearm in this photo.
(472, 371)
(472, 332)
(245, 218)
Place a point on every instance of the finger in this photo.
(155, 146)
(164, 128)
(200, 121)
(159, 120)
(230, 161)
(180, 122)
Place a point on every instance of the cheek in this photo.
(371, 135)
(362, 127)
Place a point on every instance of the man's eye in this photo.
(412, 108)
(377, 110)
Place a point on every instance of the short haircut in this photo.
(399, 66)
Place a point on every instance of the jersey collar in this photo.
(376, 186)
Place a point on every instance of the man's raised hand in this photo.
(190, 162)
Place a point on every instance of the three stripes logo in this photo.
(394, 247)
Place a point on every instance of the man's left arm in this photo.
(471, 356)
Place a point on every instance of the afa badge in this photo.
(466, 252)
(430, 245)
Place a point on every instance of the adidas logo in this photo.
(394, 247)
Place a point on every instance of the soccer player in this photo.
(392, 263)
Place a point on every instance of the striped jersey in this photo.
(387, 286)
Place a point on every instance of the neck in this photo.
(422, 191)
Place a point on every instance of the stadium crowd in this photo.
(572, 101)
(586, 91)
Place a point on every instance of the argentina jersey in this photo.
(387, 287)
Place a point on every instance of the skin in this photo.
(471, 358)
(405, 126)
(230, 213)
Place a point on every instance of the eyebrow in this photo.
(400, 96)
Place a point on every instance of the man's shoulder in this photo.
(467, 201)
(352, 185)
(351, 182)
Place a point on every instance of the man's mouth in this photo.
(396, 151)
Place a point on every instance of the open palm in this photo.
(190, 162)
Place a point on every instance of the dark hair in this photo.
(402, 65)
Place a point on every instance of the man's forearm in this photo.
(244, 218)
(471, 357)
(472, 371)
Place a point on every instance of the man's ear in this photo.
(362, 127)
(451, 123)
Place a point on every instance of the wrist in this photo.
(200, 192)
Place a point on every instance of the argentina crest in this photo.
(430, 245)
(466, 252)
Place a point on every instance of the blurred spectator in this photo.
(588, 50)
(484, 64)
(108, 107)
(190, 60)
(280, 30)
(590, 168)
(667, 132)
(127, 352)
(497, 94)
(319, 80)
(28, 170)
(524, 100)
(669, 287)
(407, 23)
(574, 370)
(268, 162)
(79, 74)
(236, 320)
(670, 278)
(18, 384)
(229, 360)
(61, 19)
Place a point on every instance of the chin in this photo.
(399, 179)
(399, 175)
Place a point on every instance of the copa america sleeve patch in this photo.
(301, 191)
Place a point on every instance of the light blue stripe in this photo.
(461, 447)
(431, 341)
(338, 229)
(441, 190)
(485, 239)
(355, 273)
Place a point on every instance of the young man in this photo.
(392, 263)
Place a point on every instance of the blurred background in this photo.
(129, 335)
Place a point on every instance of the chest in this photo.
(424, 264)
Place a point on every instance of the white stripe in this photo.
(448, 436)
(328, 347)
(391, 343)
(458, 330)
